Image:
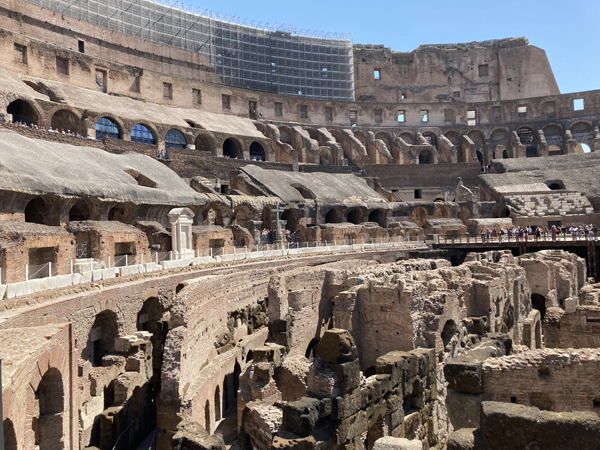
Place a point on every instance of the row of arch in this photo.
(67, 118)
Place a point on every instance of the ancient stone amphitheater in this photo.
(216, 234)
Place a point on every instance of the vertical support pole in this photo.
(49, 269)
(156, 257)
(211, 252)
(171, 255)
(142, 255)
(126, 260)
(26, 272)
(71, 267)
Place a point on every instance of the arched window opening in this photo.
(50, 395)
(257, 152)
(355, 216)
(334, 215)
(425, 157)
(479, 157)
(65, 120)
(231, 149)
(378, 216)
(217, 404)
(175, 139)
(106, 127)
(291, 216)
(79, 211)
(123, 214)
(37, 211)
(22, 111)
(101, 340)
(203, 144)
(207, 416)
(142, 134)
(10, 438)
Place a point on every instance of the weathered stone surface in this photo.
(392, 443)
(192, 436)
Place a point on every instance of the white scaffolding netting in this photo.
(274, 58)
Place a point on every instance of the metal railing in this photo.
(517, 239)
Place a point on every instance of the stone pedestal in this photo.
(181, 233)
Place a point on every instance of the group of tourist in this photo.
(49, 130)
(270, 236)
(254, 158)
(162, 154)
(538, 233)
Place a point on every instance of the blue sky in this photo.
(568, 31)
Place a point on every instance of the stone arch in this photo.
(407, 137)
(554, 135)
(232, 148)
(216, 214)
(241, 215)
(479, 140)
(266, 216)
(378, 216)
(286, 135)
(325, 157)
(455, 139)
(527, 137)
(217, 403)
(419, 216)
(464, 214)
(500, 138)
(314, 134)
(79, 211)
(291, 215)
(39, 210)
(10, 438)
(334, 215)
(257, 151)
(354, 216)
(205, 142)
(431, 138)
(24, 111)
(425, 157)
(50, 395)
(175, 138)
(362, 137)
(123, 212)
(67, 119)
(207, 416)
(101, 338)
(143, 133)
(109, 126)
(442, 212)
(386, 138)
(583, 133)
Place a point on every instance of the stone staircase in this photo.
(556, 203)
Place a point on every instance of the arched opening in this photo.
(79, 211)
(257, 152)
(583, 133)
(150, 319)
(214, 215)
(442, 212)
(527, 138)
(431, 138)
(38, 211)
(554, 139)
(231, 149)
(237, 370)
(378, 216)
(10, 438)
(450, 329)
(207, 416)
(505, 154)
(310, 350)
(101, 340)
(23, 111)
(142, 134)
(334, 215)
(285, 136)
(106, 127)
(241, 215)
(479, 157)
(408, 138)
(479, 140)
(425, 157)
(386, 138)
(204, 144)
(175, 139)
(50, 396)
(291, 215)
(539, 302)
(64, 119)
(217, 404)
(354, 216)
(267, 218)
(556, 185)
(122, 213)
(419, 216)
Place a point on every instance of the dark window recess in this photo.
(226, 101)
(101, 80)
(418, 194)
(449, 116)
(62, 65)
(278, 109)
(196, 96)
(496, 113)
(81, 46)
(167, 90)
(20, 53)
(352, 118)
(329, 114)
(484, 70)
(303, 112)
(378, 116)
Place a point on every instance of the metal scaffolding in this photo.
(256, 55)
